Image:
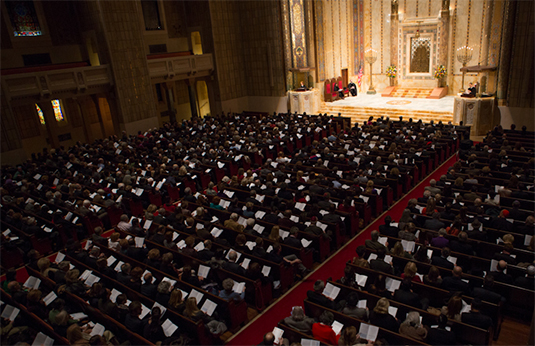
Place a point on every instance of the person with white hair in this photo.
(299, 321)
(412, 327)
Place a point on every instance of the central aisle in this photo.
(332, 267)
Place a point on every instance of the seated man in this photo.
(379, 263)
(475, 317)
(317, 296)
(374, 242)
(455, 283)
(340, 91)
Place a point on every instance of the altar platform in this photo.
(361, 107)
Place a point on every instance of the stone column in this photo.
(192, 97)
(309, 19)
(485, 44)
(87, 127)
(170, 96)
(505, 51)
(287, 42)
(444, 29)
(99, 114)
(394, 23)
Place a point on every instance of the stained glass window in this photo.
(40, 114)
(23, 18)
(58, 112)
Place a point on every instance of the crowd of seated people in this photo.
(62, 194)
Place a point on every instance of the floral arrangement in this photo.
(440, 71)
(391, 71)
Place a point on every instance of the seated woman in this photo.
(227, 293)
(381, 318)
(176, 302)
(410, 272)
(323, 330)
(153, 328)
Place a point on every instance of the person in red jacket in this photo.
(323, 331)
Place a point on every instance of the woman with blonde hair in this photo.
(410, 272)
(369, 188)
(381, 318)
(76, 336)
(176, 302)
(192, 311)
(274, 234)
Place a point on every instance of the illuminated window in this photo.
(58, 112)
(40, 114)
(23, 18)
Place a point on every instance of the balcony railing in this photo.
(54, 83)
(180, 67)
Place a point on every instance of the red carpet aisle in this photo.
(333, 267)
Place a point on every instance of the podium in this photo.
(304, 101)
(481, 114)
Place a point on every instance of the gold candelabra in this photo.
(371, 56)
(464, 55)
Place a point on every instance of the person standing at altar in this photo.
(472, 89)
(302, 87)
(352, 88)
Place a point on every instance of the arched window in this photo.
(23, 18)
(40, 114)
(58, 111)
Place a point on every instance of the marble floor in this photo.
(444, 104)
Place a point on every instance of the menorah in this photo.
(464, 55)
(371, 56)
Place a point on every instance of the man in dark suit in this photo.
(486, 293)
(439, 335)
(379, 263)
(352, 88)
(500, 275)
(447, 214)
(313, 228)
(442, 260)
(405, 295)
(292, 240)
(148, 288)
(475, 317)
(461, 245)
(527, 281)
(505, 255)
(434, 224)
(386, 230)
(206, 254)
(272, 217)
(317, 296)
(286, 222)
(124, 275)
(455, 283)
(284, 193)
(232, 266)
(373, 243)
(332, 217)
